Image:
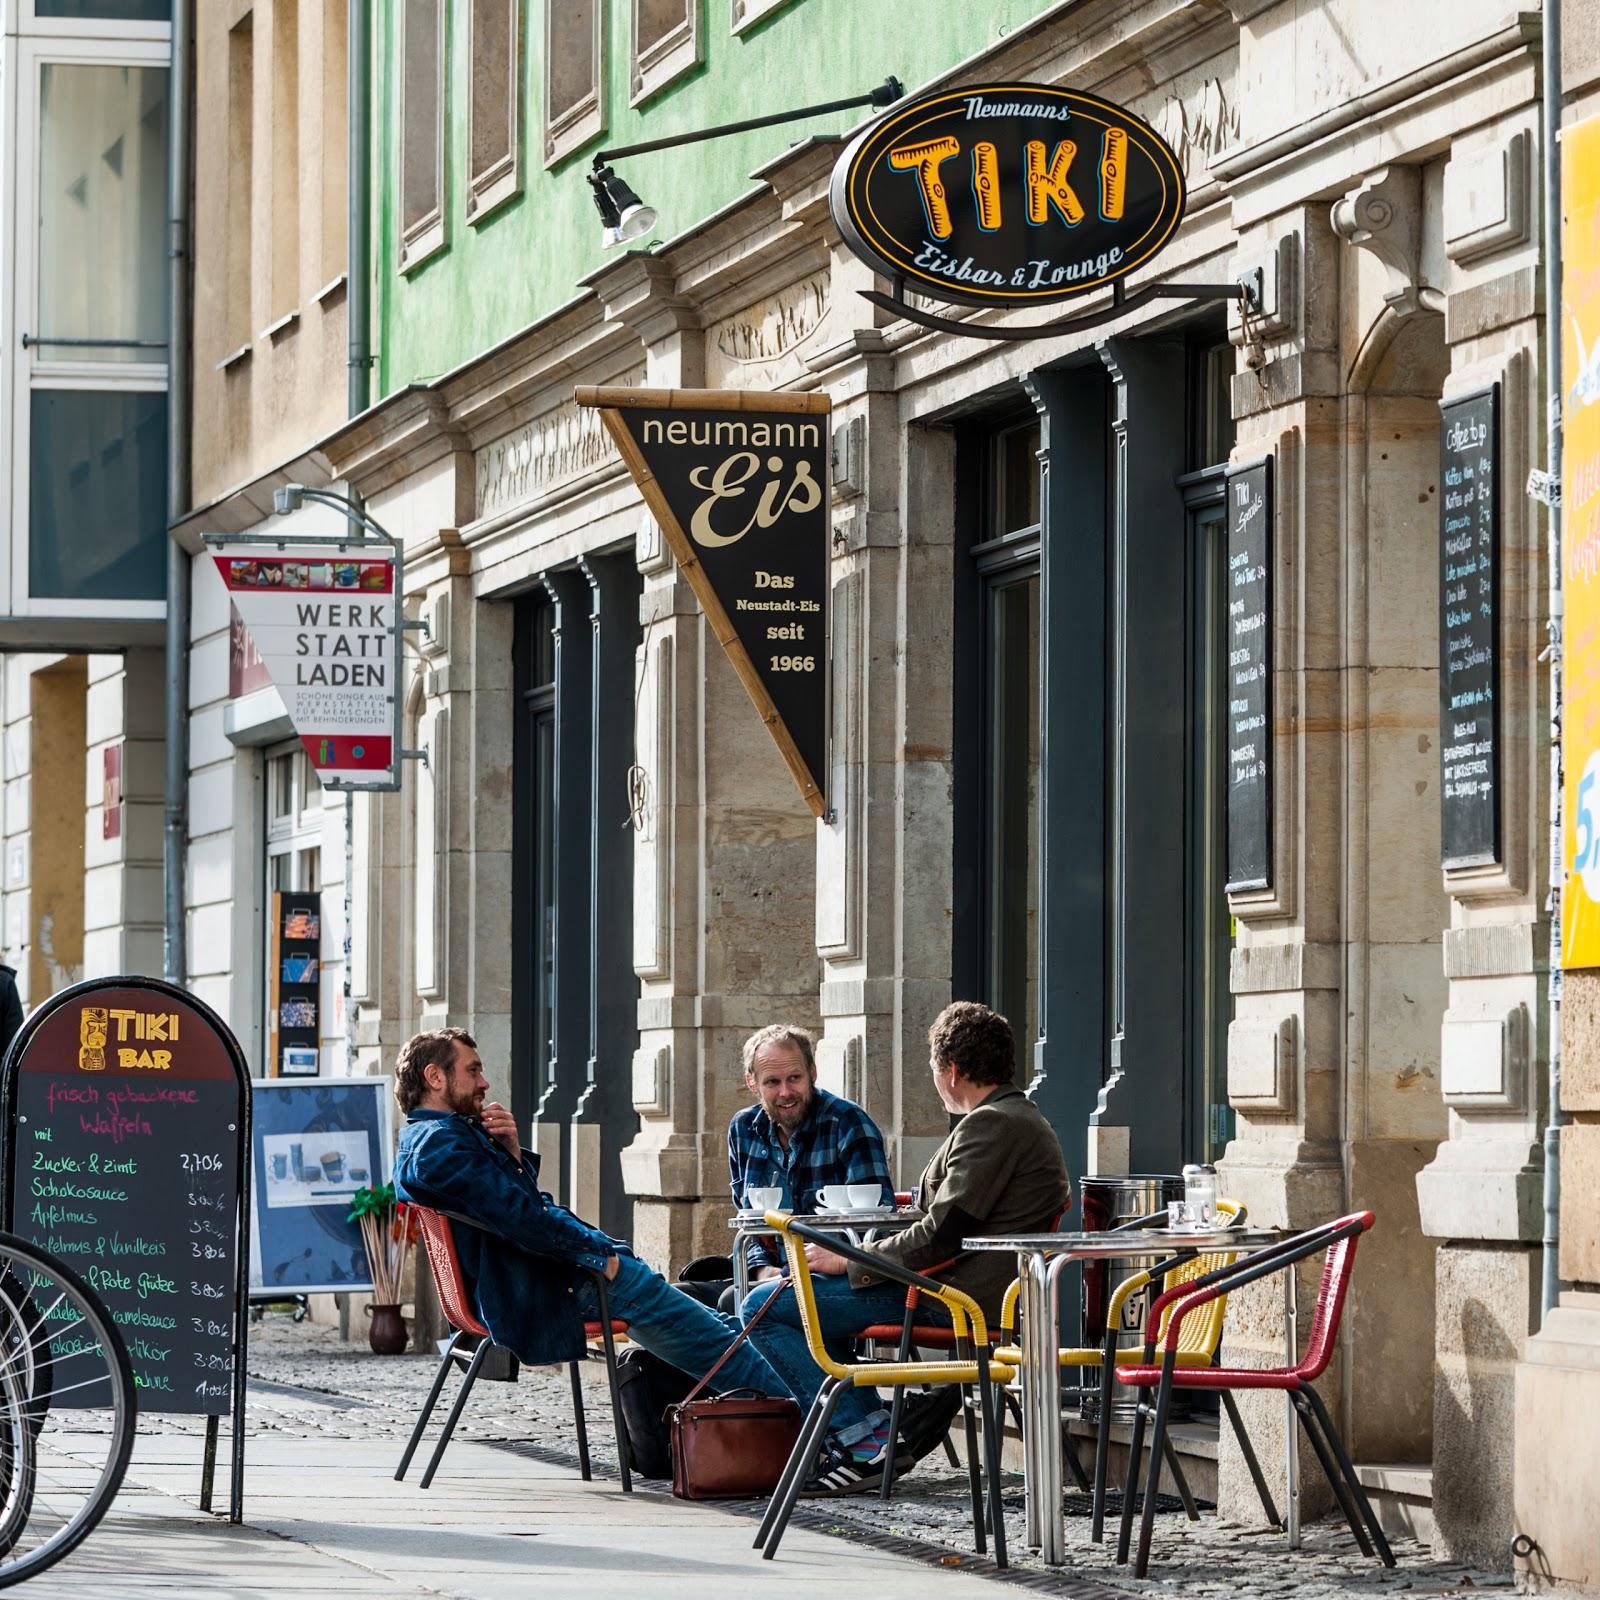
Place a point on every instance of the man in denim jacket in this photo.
(528, 1261)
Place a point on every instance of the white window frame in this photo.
(502, 178)
(747, 13)
(585, 119)
(679, 50)
(104, 29)
(53, 44)
(289, 835)
(429, 234)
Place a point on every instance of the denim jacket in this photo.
(522, 1271)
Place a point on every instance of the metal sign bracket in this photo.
(1246, 288)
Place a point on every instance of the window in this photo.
(747, 13)
(105, 10)
(238, 324)
(294, 866)
(102, 212)
(666, 44)
(1004, 633)
(574, 112)
(422, 91)
(284, 232)
(333, 262)
(496, 88)
(97, 494)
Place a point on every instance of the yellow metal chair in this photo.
(1199, 1338)
(972, 1334)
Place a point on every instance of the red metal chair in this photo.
(1339, 1240)
(439, 1239)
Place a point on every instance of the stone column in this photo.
(1480, 1195)
(724, 849)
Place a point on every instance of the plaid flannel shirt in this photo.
(837, 1143)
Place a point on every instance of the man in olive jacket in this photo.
(1000, 1171)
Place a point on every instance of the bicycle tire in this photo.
(123, 1400)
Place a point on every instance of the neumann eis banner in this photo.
(324, 626)
(738, 482)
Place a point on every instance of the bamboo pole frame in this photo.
(611, 401)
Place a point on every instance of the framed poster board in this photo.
(1249, 638)
(315, 1144)
(295, 983)
(1469, 628)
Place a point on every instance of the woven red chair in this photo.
(1339, 1240)
(439, 1239)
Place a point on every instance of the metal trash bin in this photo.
(1106, 1202)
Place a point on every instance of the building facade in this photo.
(603, 869)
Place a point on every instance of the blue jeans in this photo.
(842, 1313)
(670, 1324)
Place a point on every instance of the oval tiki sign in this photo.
(1007, 193)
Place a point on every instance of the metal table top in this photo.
(1133, 1242)
(874, 1217)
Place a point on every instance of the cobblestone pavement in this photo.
(304, 1379)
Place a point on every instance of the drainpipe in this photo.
(1550, 75)
(358, 298)
(358, 316)
(175, 956)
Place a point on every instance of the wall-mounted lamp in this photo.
(624, 217)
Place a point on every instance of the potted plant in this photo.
(388, 1231)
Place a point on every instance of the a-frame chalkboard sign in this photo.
(126, 1129)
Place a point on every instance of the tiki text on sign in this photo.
(1009, 192)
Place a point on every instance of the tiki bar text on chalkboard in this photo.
(1469, 623)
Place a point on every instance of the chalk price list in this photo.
(129, 1178)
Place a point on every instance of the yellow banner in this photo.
(1580, 498)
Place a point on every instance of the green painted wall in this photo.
(526, 258)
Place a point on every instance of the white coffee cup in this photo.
(836, 1197)
(849, 1196)
(763, 1199)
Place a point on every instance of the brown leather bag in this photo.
(731, 1446)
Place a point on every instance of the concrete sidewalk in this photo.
(324, 1519)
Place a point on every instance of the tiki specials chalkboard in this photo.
(1469, 625)
(125, 1118)
(738, 482)
(1249, 676)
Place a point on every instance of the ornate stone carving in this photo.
(1200, 128)
(562, 443)
(1384, 215)
(767, 335)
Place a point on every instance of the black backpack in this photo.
(646, 1386)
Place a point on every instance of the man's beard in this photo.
(791, 1119)
(464, 1102)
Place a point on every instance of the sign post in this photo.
(125, 1105)
(738, 482)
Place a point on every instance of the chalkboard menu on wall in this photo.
(1249, 676)
(126, 1116)
(1469, 623)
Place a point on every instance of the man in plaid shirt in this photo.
(797, 1137)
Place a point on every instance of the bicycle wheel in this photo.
(68, 1410)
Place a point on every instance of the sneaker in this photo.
(839, 1472)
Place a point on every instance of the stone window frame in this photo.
(745, 14)
(573, 126)
(427, 235)
(678, 49)
(491, 185)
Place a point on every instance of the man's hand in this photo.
(767, 1273)
(613, 1266)
(499, 1124)
(825, 1260)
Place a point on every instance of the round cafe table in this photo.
(856, 1226)
(1040, 1260)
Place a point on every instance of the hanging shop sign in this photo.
(738, 482)
(322, 618)
(1007, 194)
(1469, 628)
(1249, 591)
(1580, 501)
